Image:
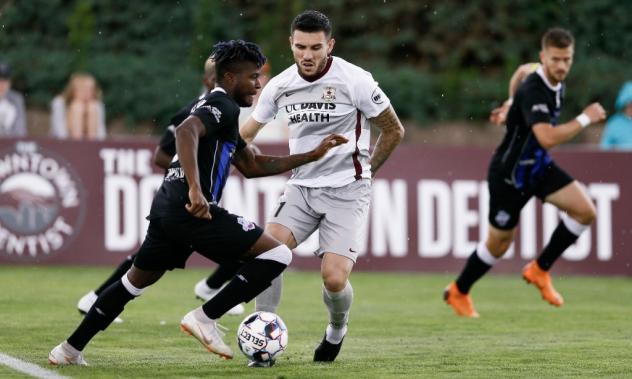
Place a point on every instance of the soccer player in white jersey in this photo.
(322, 94)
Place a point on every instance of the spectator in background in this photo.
(618, 132)
(12, 114)
(78, 112)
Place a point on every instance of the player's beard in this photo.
(557, 75)
(319, 68)
(561, 75)
(245, 100)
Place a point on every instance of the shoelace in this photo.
(219, 329)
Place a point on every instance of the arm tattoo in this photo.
(391, 134)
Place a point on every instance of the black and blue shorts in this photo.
(506, 201)
(170, 240)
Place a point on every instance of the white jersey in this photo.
(339, 100)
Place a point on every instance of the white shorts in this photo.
(339, 213)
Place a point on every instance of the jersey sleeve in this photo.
(182, 115)
(168, 141)
(266, 108)
(535, 108)
(213, 115)
(369, 97)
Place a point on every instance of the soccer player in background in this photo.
(185, 217)
(521, 167)
(324, 94)
(163, 154)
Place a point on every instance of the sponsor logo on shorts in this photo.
(41, 202)
(245, 224)
(502, 218)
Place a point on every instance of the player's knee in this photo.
(282, 234)
(334, 280)
(281, 254)
(587, 215)
(499, 245)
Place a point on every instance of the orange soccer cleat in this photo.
(461, 303)
(533, 274)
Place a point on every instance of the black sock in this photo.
(254, 277)
(117, 274)
(474, 269)
(222, 274)
(561, 239)
(108, 306)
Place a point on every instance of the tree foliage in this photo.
(437, 60)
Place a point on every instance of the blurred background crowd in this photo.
(92, 69)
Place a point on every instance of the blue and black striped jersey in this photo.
(520, 159)
(220, 114)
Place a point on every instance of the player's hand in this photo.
(198, 206)
(327, 144)
(595, 112)
(499, 115)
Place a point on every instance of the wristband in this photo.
(583, 120)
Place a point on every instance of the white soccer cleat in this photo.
(208, 334)
(60, 356)
(205, 293)
(261, 364)
(87, 301)
(236, 310)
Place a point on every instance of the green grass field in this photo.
(399, 327)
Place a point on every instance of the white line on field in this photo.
(29, 368)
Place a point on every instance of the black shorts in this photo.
(171, 240)
(506, 201)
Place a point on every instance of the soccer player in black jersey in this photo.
(163, 154)
(521, 168)
(185, 217)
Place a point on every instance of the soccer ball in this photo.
(262, 337)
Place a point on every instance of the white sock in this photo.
(206, 288)
(130, 287)
(339, 305)
(335, 336)
(573, 225)
(484, 254)
(68, 348)
(269, 299)
(199, 315)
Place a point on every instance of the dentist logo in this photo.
(41, 202)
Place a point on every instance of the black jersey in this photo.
(520, 159)
(168, 139)
(220, 115)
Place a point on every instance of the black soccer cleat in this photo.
(327, 351)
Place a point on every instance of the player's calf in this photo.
(254, 277)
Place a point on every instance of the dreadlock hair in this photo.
(230, 55)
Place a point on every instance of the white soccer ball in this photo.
(262, 337)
